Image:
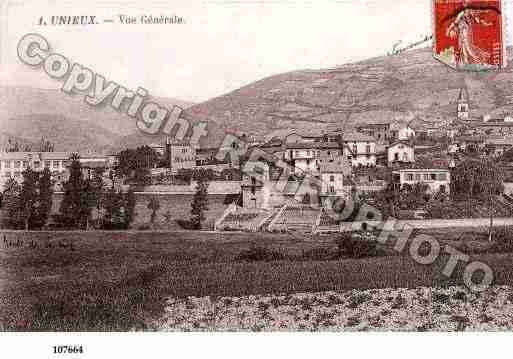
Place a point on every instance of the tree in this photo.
(97, 187)
(45, 145)
(135, 164)
(11, 204)
(130, 202)
(476, 178)
(413, 196)
(114, 211)
(153, 206)
(78, 198)
(386, 200)
(199, 203)
(45, 190)
(28, 197)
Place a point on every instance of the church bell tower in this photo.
(463, 112)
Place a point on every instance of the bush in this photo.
(109, 225)
(260, 254)
(503, 240)
(356, 247)
(188, 224)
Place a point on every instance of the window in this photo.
(17, 164)
(7, 174)
(426, 177)
(433, 176)
(409, 176)
(368, 148)
(7, 164)
(355, 149)
(332, 189)
(55, 164)
(417, 177)
(25, 164)
(332, 178)
(37, 164)
(442, 177)
(47, 164)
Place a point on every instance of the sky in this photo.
(222, 45)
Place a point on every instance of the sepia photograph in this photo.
(255, 166)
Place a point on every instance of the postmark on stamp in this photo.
(469, 34)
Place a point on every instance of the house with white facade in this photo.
(12, 164)
(400, 131)
(435, 179)
(181, 154)
(306, 157)
(334, 184)
(400, 152)
(380, 132)
(360, 149)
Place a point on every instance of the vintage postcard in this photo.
(281, 166)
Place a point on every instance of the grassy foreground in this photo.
(73, 281)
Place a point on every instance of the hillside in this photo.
(379, 89)
(411, 84)
(29, 113)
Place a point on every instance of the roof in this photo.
(332, 167)
(396, 126)
(421, 169)
(500, 141)
(463, 95)
(495, 124)
(406, 143)
(180, 143)
(357, 137)
(24, 156)
(470, 139)
(373, 125)
(93, 164)
(314, 145)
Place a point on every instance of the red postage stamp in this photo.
(469, 34)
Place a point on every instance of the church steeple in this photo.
(463, 111)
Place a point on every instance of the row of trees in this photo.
(135, 164)
(14, 145)
(27, 206)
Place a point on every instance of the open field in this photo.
(121, 280)
(419, 309)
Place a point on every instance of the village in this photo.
(403, 169)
